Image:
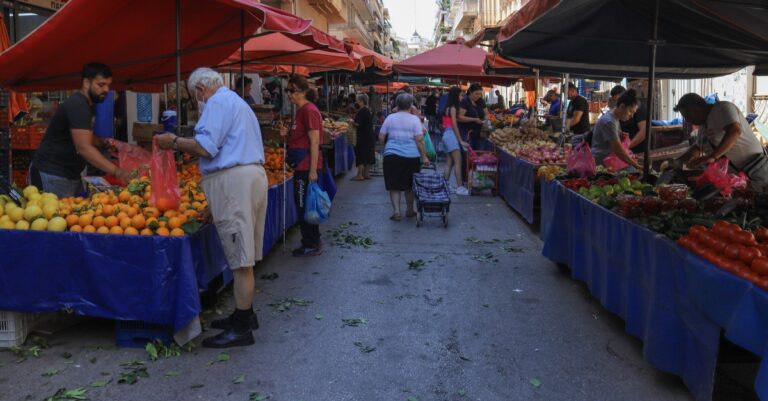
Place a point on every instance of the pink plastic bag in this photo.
(581, 161)
(132, 157)
(717, 175)
(165, 183)
(613, 163)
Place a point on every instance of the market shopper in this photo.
(606, 139)
(228, 142)
(364, 149)
(500, 100)
(69, 143)
(403, 154)
(578, 112)
(635, 126)
(472, 115)
(245, 93)
(452, 141)
(723, 132)
(304, 156)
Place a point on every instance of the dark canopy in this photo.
(699, 38)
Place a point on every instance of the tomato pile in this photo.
(741, 252)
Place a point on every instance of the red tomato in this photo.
(707, 239)
(743, 237)
(763, 283)
(750, 276)
(732, 230)
(761, 234)
(748, 254)
(718, 245)
(760, 265)
(732, 251)
(694, 231)
(686, 242)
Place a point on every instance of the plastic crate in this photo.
(14, 327)
(27, 138)
(136, 334)
(21, 159)
(20, 177)
(5, 120)
(5, 98)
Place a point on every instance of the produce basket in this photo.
(136, 334)
(482, 171)
(14, 327)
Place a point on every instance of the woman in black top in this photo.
(364, 152)
(472, 115)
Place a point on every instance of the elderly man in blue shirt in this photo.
(228, 141)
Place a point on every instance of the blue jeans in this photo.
(61, 186)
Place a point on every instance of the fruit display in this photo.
(531, 144)
(274, 165)
(731, 248)
(336, 126)
(549, 172)
(40, 211)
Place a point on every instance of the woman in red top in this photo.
(304, 156)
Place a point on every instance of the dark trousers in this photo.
(310, 234)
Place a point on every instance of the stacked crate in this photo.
(5, 135)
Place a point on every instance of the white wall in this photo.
(130, 99)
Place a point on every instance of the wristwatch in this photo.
(176, 143)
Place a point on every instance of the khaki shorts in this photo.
(237, 198)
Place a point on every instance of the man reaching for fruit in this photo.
(69, 141)
(228, 142)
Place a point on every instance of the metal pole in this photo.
(651, 79)
(178, 67)
(389, 102)
(536, 101)
(563, 110)
(285, 186)
(242, 53)
(327, 94)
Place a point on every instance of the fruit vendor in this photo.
(723, 132)
(69, 142)
(228, 142)
(577, 112)
(635, 126)
(606, 137)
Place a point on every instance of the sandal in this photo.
(357, 179)
(410, 214)
(395, 217)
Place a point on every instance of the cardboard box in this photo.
(143, 132)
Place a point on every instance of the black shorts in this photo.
(399, 171)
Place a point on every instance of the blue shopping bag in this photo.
(318, 207)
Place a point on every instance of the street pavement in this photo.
(468, 312)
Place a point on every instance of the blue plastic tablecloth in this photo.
(517, 180)
(151, 279)
(550, 193)
(350, 157)
(340, 155)
(640, 276)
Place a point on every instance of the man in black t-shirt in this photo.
(69, 142)
(430, 107)
(578, 111)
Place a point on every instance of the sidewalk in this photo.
(471, 312)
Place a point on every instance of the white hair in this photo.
(363, 98)
(206, 78)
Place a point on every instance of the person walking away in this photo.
(723, 132)
(228, 142)
(366, 142)
(69, 143)
(304, 156)
(577, 113)
(606, 138)
(404, 137)
(452, 142)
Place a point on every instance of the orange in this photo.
(113, 199)
(122, 215)
(174, 222)
(111, 221)
(184, 199)
(151, 212)
(76, 229)
(72, 220)
(177, 232)
(183, 207)
(124, 196)
(183, 218)
(170, 213)
(146, 231)
(116, 230)
(162, 231)
(108, 210)
(152, 223)
(84, 220)
(130, 211)
(89, 229)
(144, 178)
(147, 195)
(99, 221)
(103, 230)
(125, 222)
(138, 222)
(131, 231)
(191, 213)
(136, 199)
(197, 206)
(164, 204)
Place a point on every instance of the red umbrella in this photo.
(18, 101)
(369, 57)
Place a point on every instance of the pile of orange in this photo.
(274, 165)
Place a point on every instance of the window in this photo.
(28, 19)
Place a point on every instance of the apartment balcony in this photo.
(466, 14)
(333, 10)
(364, 8)
(355, 28)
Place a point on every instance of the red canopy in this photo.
(369, 57)
(137, 38)
(269, 69)
(453, 60)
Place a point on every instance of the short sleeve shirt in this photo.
(308, 118)
(474, 111)
(579, 104)
(402, 130)
(722, 115)
(606, 130)
(57, 154)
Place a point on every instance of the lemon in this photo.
(7, 225)
(47, 196)
(34, 196)
(31, 189)
(32, 212)
(9, 206)
(50, 210)
(57, 224)
(22, 225)
(34, 202)
(2, 211)
(40, 224)
(16, 214)
(5, 217)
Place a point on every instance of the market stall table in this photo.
(673, 301)
(517, 184)
(149, 279)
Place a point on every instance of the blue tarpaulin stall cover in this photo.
(151, 279)
(350, 157)
(517, 179)
(674, 301)
(340, 155)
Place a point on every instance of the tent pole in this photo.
(651, 80)
(536, 101)
(242, 53)
(285, 187)
(327, 94)
(563, 109)
(388, 99)
(178, 67)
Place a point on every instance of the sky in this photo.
(409, 15)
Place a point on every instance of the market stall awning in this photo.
(370, 58)
(137, 38)
(288, 49)
(453, 60)
(268, 69)
(698, 38)
(484, 36)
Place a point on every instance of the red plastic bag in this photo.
(612, 162)
(132, 157)
(165, 183)
(581, 161)
(717, 175)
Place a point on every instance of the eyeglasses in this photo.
(292, 90)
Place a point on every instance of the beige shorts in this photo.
(237, 198)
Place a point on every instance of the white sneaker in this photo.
(462, 191)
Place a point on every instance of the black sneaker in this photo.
(229, 338)
(226, 323)
(306, 251)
